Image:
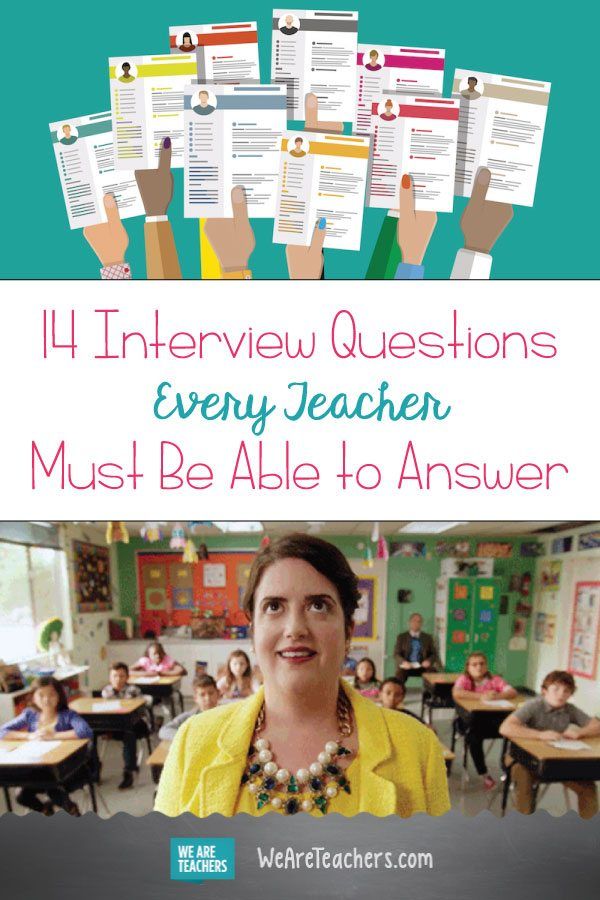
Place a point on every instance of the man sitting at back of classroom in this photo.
(415, 651)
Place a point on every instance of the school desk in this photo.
(106, 717)
(156, 760)
(549, 764)
(54, 769)
(483, 718)
(164, 687)
(437, 692)
(13, 703)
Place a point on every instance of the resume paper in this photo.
(415, 136)
(226, 53)
(501, 126)
(321, 176)
(233, 136)
(403, 70)
(84, 153)
(314, 52)
(146, 96)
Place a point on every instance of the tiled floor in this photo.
(466, 790)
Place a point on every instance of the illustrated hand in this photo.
(414, 227)
(311, 116)
(307, 262)
(108, 240)
(483, 221)
(232, 239)
(156, 185)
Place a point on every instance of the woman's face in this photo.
(364, 671)
(299, 631)
(238, 666)
(46, 699)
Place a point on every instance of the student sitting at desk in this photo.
(551, 718)
(237, 682)
(118, 689)
(365, 678)
(392, 694)
(478, 683)
(48, 719)
(206, 696)
(157, 661)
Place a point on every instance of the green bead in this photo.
(292, 787)
(264, 798)
(260, 804)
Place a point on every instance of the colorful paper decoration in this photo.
(365, 616)
(585, 630)
(178, 539)
(214, 575)
(375, 533)
(265, 542)
(183, 598)
(382, 549)
(151, 532)
(408, 548)
(368, 557)
(92, 577)
(156, 598)
(116, 533)
(190, 553)
(495, 549)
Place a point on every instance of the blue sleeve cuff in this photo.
(406, 271)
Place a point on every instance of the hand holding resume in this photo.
(315, 52)
(84, 154)
(233, 134)
(401, 70)
(501, 127)
(146, 95)
(226, 53)
(321, 176)
(415, 136)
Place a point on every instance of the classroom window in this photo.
(33, 587)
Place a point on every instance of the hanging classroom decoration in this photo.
(203, 551)
(151, 532)
(178, 539)
(375, 533)
(116, 533)
(265, 542)
(190, 553)
(382, 548)
(368, 557)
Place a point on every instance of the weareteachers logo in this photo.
(201, 859)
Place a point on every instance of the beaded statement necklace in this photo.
(313, 787)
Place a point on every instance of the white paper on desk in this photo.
(147, 106)
(500, 704)
(232, 137)
(415, 136)
(148, 679)
(314, 51)
(402, 70)
(226, 52)
(570, 745)
(502, 128)
(321, 176)
(106, 705)
(28, 751)
(84, 153)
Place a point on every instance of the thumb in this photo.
(318, 237)
(239, 207)
(480, 186)
(164, 157)
(112, 210)
(407, 197)
(311, 111)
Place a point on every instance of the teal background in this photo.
(224, 851)
(55, 59)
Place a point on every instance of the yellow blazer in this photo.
(402, 770)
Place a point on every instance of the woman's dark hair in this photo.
(159, 647)
(394, 680)
(365, 659)
(186, 34)
(321, 555)
(557, 676)
(48, 681)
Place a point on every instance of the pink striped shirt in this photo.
(495, 683)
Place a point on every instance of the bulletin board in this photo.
(91, 565)
(585, 625)
(170, 591)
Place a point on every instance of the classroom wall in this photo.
(577, 566)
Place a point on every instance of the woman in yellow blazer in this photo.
(306, 741)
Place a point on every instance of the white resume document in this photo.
(502, 121)
(321, 176)
(83, 149)
(232, 137)
(415, 136)
(315, 52)
(226, 53)
(403, 70)
(146, 98)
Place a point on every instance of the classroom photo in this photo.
(299, 667)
